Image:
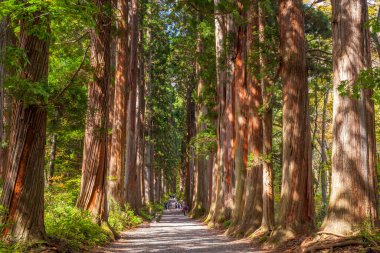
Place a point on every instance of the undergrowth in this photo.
(65, 222)
(75, 230)
(150, 211)
(122, 217)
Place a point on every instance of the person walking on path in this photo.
(185, 209)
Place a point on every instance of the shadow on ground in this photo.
(176, 233)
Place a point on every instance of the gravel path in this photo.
(176, 233)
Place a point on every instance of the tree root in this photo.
(323, 245)
(261, 232)
(333, 234)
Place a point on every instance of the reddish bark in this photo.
(241, 115)
(23, 192)
(224, 202)
(133, 194)
(296, 213)
(267, 122)
(93, 195)
(253, 202)
(119, 136)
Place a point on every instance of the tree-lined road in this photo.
(176, 233)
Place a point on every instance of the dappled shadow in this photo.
(176, 233)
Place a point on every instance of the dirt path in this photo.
(176, 233)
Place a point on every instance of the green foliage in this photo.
(367, 79)
(145, 214)
(5, 248)
(3, 211)
(64, 221)
(150, 211)
(227, 224)
(74, 226)
(370, 235)
(122, 217)
(320, 210)
(205, 142)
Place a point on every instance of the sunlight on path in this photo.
(176, 233)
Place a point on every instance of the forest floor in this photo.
(177, 233)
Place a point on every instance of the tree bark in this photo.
(133, 194)
(241, 115)
(118, 146)
(224, 202)
(296, 213)
(267, 223)
(229, 117)
(190, 125)
(7, 39)
(141, 117)
(353, 198)
(93, 195)
(200, 202)
(253, 190)
(148, 164)
(23, 192)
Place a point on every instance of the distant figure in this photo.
(185, 209)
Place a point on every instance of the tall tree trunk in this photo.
(141, 116)
(353, 198)
(253, 190)
(158, 184)
(200, 202)
(183, 167)
(210, 180)
(190, 124)
(7, 38)
(93, 195)
(118, 145)
(241, 115)
(111, 105)
(148, 164)
(23, 192)
(229, 117)
(267, 122)
(214, 178)
(132, 194)
(224, 29)
(296, 213)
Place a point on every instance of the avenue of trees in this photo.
(261, 115)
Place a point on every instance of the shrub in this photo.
(227, 224)
(121, 218)
(65, 222)
(74, 226)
